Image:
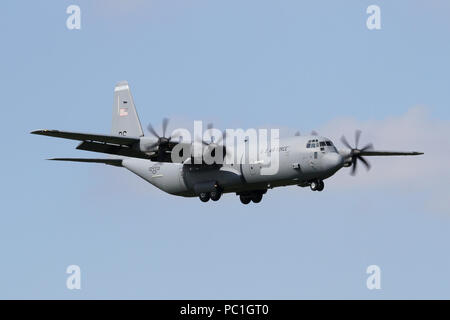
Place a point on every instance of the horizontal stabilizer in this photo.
(111, 162)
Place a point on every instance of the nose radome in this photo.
(333, 160)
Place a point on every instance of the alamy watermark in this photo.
(374, 20)
(373, 282)
(73, 281)
(260, 147)
(73, 21)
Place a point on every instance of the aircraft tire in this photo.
(215, 195)
(257, 198)
(245, 199)
(204, 196)
(321, 186)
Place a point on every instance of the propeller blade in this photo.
(200, 140)
(222, 138)
(345, 142)
(354, 166)
(356, 153)
(357, 136)
(365, 162)
(165, 123)
(367, 147)
(152, 131)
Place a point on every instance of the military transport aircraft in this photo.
(304, 161)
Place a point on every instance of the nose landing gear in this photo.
(317, 185)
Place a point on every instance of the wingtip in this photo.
(40, 131)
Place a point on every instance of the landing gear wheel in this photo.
(244, 199)
(321, 186)
(314, 185)
(257, 198)
(204, 196)
(215, 195)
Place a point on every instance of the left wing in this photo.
(110, 144)
(119, 140)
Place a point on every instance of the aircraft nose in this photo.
(334, 160)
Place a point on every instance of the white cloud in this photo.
(416, 130)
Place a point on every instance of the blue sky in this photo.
(289, 64)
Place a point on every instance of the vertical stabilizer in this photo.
(125, 121)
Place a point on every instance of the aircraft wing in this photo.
(118, 145)
(369, 153)
(119, 140)
(112, 162)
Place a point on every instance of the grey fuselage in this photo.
(298, 165)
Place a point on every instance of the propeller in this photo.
(163, 142)
(355, 153)
(213, 144)
(218, 141)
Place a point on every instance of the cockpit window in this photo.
(315, 143)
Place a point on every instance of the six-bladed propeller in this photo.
(213, 141)
(163, 142)
(214, 144)
(355, 153)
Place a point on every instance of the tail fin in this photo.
(125, 121)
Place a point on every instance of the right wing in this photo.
(369, 153)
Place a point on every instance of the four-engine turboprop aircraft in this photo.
(304, 161)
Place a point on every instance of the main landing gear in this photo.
(213, 195)
(317, 185)
(255, 197)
